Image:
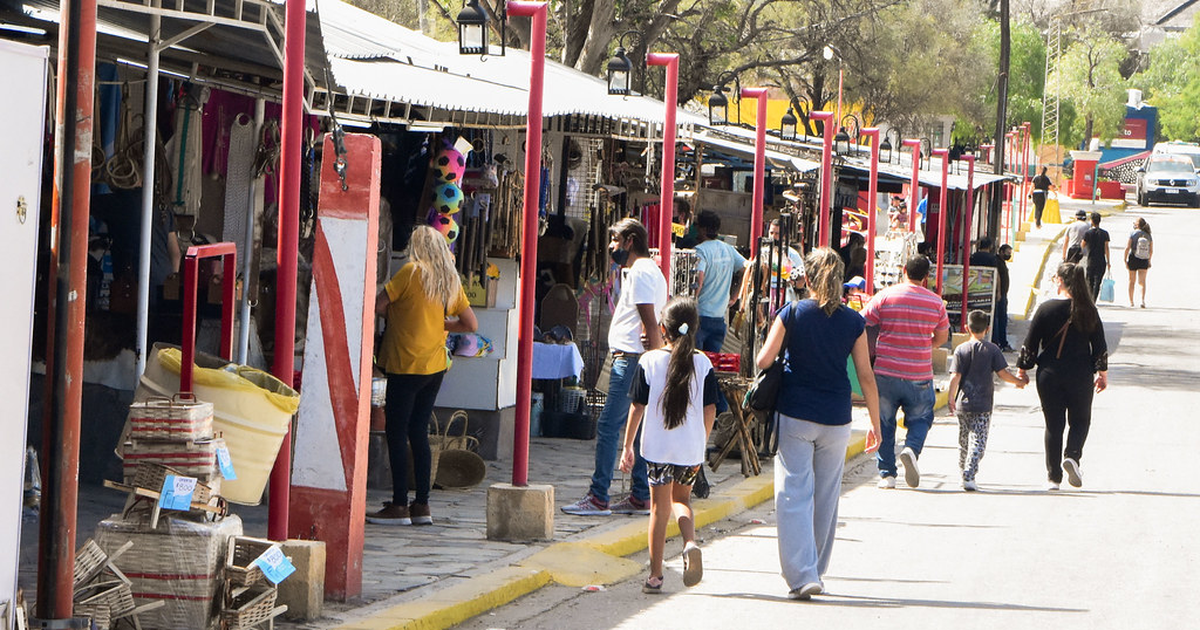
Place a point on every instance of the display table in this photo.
(747, 433)
(554, 361)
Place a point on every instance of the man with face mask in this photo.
(643, 294)
(984, 257)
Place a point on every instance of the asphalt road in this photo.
(1119, 553)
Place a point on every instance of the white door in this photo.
(25, 72)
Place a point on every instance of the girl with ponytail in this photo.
(1066, 343)
(675, 390)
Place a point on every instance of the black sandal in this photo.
(650, 588)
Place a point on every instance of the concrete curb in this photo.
(1031, 298)
(595, 559)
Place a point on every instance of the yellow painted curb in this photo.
(455, 604)
(580, 564)
(1032, 297)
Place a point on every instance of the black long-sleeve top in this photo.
(1082, 353)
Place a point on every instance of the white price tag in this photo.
(224, 461)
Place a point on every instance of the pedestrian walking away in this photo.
(1072, 247)
(422, 303)
(1041, 190)
(1095, 247)
(718, 267)
(1139, 249)
(1066, 343)
(814, 418)
(984, 257)
(642, 296)
(972, 392)
(674, 389)
(912, 321)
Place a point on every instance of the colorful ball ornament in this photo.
(447, 226)
(447, 198)
(449, 165)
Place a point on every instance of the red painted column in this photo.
(914, 186)
(667, 183)
(329, 478)
(943, 197)
(283, 364)
(872, 211)
(67, 275)
(825, 206)
(966, 241)
(760, 163)
(526, 286)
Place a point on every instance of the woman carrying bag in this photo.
(813, 406)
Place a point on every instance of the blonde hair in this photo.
(427, 248)
(825, 271)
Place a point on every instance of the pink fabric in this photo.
(907, 316)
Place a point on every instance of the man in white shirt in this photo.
(1072, 250)
(643, 294)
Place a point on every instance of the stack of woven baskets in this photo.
(249, 597)
(177, 433)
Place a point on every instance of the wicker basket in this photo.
(170, 419)
(240, 569)
(250, 608)
(188, 458)
(89, 562)
(114, 596)
(100, 615)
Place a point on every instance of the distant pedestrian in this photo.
(1041, 190)
(421, 303)
(984, 257)
(1095, 247)
(975, 361)
(912, 321)
(718, 267)
(674, 389)
(634, 329)
(1139, 249)
(1066, 343)
(1072, 248)
(814, 418)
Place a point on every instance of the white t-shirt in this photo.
(641, 283)
(685, 444)
(1075, 233)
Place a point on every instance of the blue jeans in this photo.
(711, 335)
(916, 398)
(609, 430)
(1000, 323)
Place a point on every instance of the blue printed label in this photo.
(224, 461)
(177, 493)
(275, 565)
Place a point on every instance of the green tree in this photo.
(1172, 83)
(1090, 78)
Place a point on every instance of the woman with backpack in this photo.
(1138, 251)
(1066, 343)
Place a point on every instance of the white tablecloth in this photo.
(552, 360)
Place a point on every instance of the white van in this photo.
(1189, 149)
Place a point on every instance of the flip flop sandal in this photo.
(650, 588)
(693, 568)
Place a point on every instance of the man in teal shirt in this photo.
(717, 264)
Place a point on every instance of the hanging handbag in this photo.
(763, 393)
(1108, 288)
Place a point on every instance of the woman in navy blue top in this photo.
(814, 418)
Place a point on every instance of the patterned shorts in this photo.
(664, 474)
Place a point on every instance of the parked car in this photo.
(1189, 149)
(1169, 179)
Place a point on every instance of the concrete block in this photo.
(957, 339)
(520, 513)
(304, 590)
(940, 360)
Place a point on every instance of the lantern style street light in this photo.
(718, 107)
(886, 146)
(620, 69)
(844, 137)
(473, 29)
(787, 125)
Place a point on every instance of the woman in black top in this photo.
(1066, 343)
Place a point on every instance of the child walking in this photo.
(675, 390)
(975, 360)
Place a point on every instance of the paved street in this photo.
(1119, 553)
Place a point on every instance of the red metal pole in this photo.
(914, 189)
(533, 184)
(1010, 211)
(872, 211)
(942, 212)
(284, 363)
(823, 210)
(1027, 156)
(667, 186)
(966, 248)
(65, 316)
(760, 163)
(191, 274)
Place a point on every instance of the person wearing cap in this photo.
(1073, 242)
(854, 291)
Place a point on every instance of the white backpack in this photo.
(1141, 248)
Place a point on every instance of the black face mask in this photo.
(1006, 255)
(619, 256)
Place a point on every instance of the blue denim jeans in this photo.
(610, 429)
(1000, 323)
(916, 398)
(711, 335)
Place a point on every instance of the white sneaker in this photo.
(912, 474)
(887, 482)
(1071, 467)
(807, 591)
(970, 486)
(1052, 485)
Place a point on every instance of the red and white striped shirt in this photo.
(907, 316)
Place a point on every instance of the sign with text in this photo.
(981, 291)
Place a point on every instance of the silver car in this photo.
(1168, 179)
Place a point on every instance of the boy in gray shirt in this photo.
(975, 360)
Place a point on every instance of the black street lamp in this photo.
(718, 106)
(620, 69)
(886, 146)
(845, 137)
(787, 125)
(473, 29)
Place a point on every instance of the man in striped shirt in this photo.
(912, 321)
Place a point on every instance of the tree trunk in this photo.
(601, 30)
(577, 25)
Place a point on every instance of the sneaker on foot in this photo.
(420, 514)
(652, 586)
(391, 514)
(630, 505)
(806, 592)
(912, 474)
(887, 482)
(1071, 467)
(693, 570)
(1052, 485)
(588, 506)
(970, 486)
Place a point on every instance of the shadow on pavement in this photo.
(883, 602)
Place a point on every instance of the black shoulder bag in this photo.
(763, 395)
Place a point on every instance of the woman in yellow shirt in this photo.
(422, 302)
